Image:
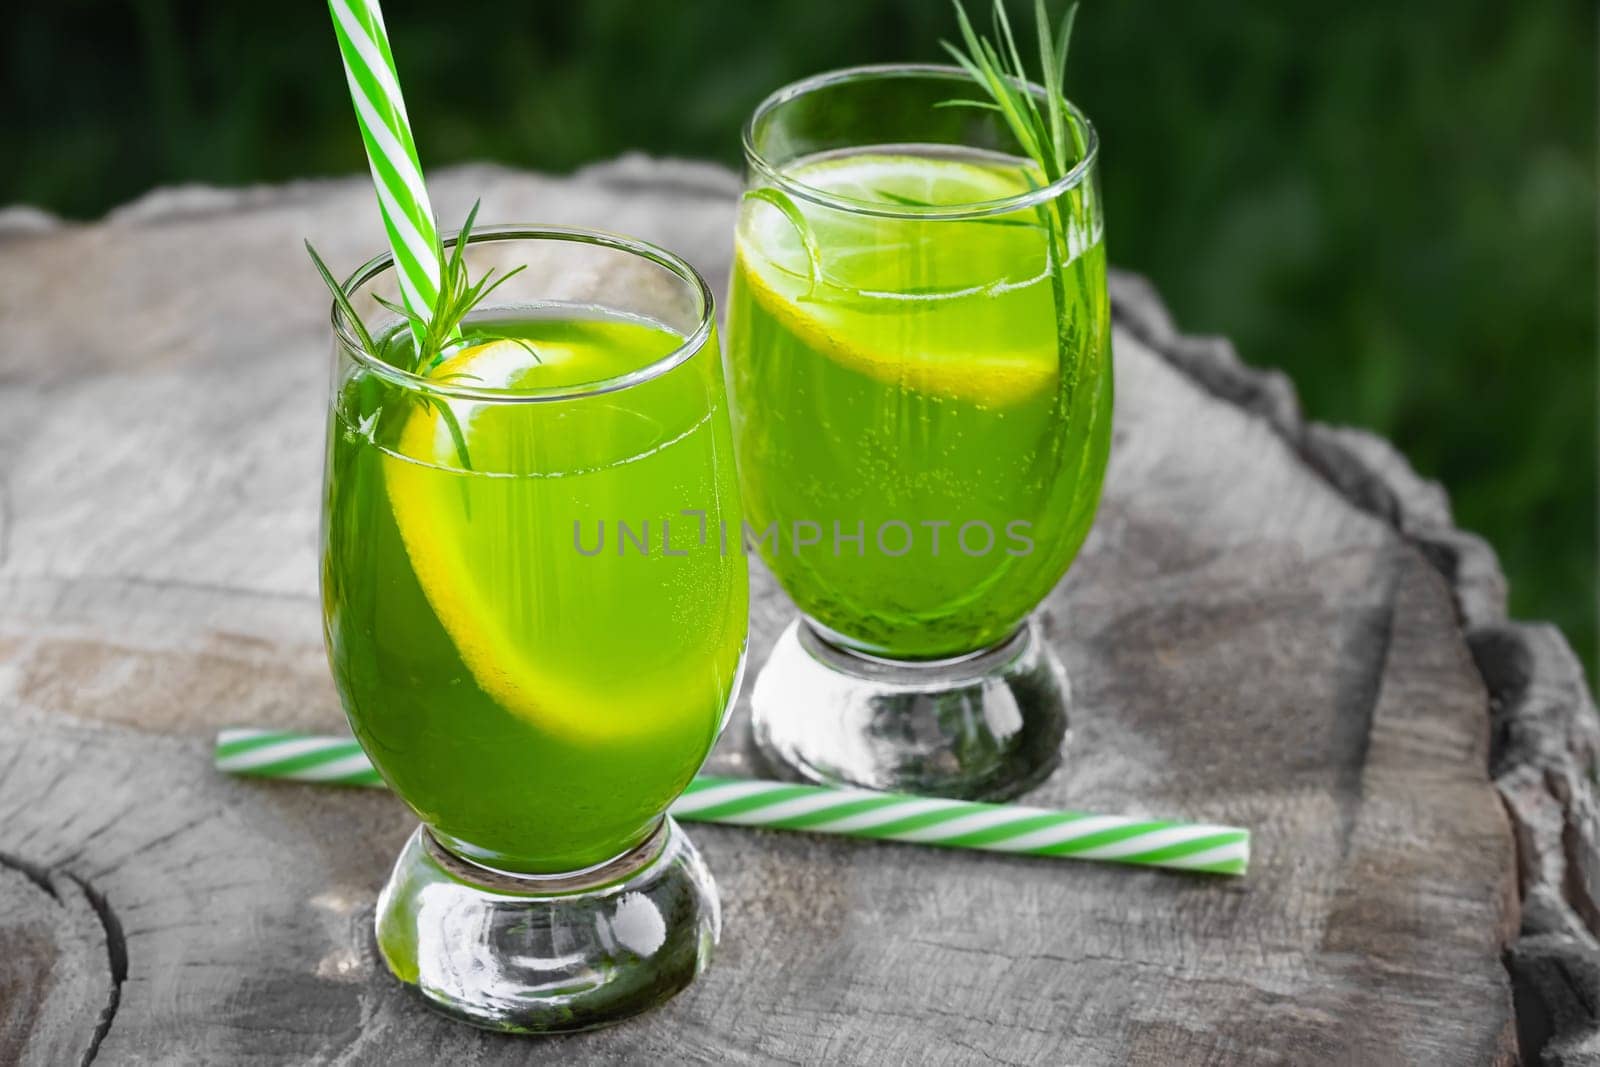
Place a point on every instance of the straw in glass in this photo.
(391, 152)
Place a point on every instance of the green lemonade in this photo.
(538, 701)
(922, 405)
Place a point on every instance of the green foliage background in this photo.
(1393, 202)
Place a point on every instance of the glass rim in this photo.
(692, 342)
(977, 209)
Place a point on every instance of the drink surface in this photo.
(940, 387)
(537, 705)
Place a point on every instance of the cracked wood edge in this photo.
(64, 1018)
(1545, 732)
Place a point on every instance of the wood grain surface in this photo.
(1273, 624)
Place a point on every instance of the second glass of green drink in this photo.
(533, 623)
(918, 342)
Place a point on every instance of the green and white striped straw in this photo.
(294, 757)
(825, 810)
(392, 154)
(965, 824)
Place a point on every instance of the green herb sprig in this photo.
(458, 295)
(1049, 137)
(436, 333)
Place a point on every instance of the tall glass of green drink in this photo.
(918, 343)
(533, 635)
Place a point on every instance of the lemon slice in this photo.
(932, 306)
(436, 506)
(893, 180)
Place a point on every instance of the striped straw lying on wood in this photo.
(825, 810)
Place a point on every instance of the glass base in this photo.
(985, 726)
(549, 953)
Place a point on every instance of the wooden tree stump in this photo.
(1274, 624)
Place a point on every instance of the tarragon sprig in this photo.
(1049, 137)
(458, 295)
(436, 332)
